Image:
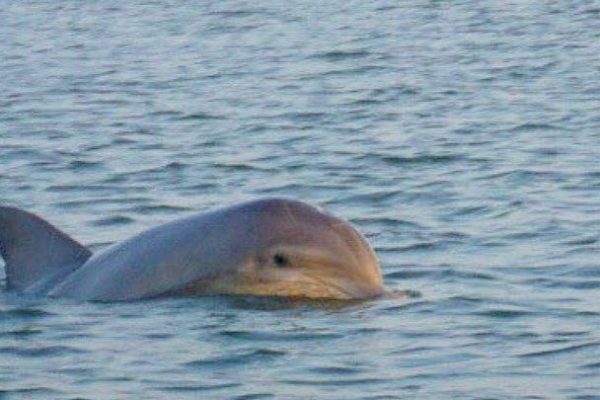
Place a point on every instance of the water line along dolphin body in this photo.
(268, 247)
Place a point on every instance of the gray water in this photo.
(462, 138)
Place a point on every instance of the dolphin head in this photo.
(298, 250)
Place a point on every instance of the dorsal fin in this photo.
(35, 251)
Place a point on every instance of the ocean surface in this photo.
(461, 137)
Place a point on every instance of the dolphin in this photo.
(265, 247)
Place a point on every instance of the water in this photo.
(460, 137)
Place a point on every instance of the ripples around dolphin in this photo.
(460, 137)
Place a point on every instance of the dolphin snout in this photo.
(364, 276)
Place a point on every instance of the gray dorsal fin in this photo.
(35, 251)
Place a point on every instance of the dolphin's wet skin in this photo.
(269, 247)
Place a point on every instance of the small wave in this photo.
(504, 313)
(255, 396)
(386, 221)
(408, 274)
(238, 13)
(78, 165)
(561, 350)
(354, 71)
(334, 382)
(43, 351)
(419, 305)
(303, 116)
(593, 365)
(158, 209)
(336, 370)
(240, 167)
(31, 391)
(24, 313)
(376, 196)
(416, 159)
(438, 274)
(532, 126)
(585, 241)
(199, 116)
(198, 388)
(115, 220)
(472, 210)
(166, 113)
(76, 188)
(340, 55)
(240, 359)
(21, 332)
(278, 336)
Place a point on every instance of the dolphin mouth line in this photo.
(331, 285)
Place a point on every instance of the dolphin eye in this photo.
(280, 260)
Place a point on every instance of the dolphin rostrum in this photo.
(267, 247)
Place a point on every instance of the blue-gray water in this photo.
(463, 139)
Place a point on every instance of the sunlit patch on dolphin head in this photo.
(301, 251)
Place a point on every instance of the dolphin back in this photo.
(36, 253)
(165, 258)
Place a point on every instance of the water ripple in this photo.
(562, 350)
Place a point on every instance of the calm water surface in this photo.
(463, 139)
